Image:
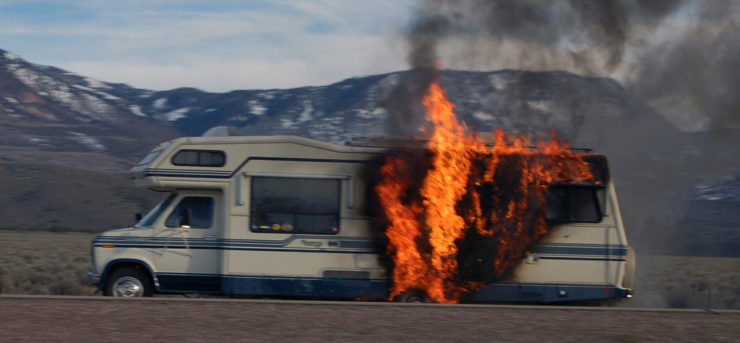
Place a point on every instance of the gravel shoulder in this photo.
(97, 319)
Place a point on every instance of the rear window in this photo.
(575, 203)
(199, 158)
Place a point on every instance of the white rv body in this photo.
(288, 217)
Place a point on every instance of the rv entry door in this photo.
(190, 254)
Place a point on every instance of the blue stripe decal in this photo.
(344, 242)
(346, 245)
(603, 250)
(330, 251)
(184, 247)
(357, 244)
(582, 258)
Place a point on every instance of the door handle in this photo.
(209, 237)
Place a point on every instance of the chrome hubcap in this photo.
(128, 286)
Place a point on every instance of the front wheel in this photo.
(128, 282)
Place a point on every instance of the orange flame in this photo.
(428, 225)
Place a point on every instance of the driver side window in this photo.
(198, 209)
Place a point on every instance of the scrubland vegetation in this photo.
(687, 282)
(44, 262)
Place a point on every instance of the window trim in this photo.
(338, 178)
(221, 152)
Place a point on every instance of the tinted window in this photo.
(568, 203)
(200, 209)
(295, 205)
(199, 158)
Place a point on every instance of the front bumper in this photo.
(93, 278)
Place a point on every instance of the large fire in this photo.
(461, 212)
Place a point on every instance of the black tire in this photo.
(413, 296)
(128, 282)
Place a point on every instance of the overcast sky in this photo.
(212, 45)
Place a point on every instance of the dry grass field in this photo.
(36, 262)
(687, 282)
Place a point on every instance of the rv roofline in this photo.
(276, 139)
(394, 142)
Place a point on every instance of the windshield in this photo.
(152, 216)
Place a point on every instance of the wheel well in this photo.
(117, 265)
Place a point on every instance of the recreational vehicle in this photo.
(288, 216)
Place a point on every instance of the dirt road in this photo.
(98, 319)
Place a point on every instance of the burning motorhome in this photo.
(463, 213)
(446, 217)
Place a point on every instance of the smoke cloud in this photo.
(680, 56)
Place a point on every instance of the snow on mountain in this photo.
(10, 57)
(256, 108)
(72, 112)
(160, 104)
(519, 101)
(136, 109)
(379, 113)
(724, 191)
(90, 106)
(177, 114)
(89, 142)
(94, 83)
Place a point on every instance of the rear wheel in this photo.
(413, 296)
(129, 283)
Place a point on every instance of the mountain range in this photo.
(66, 140)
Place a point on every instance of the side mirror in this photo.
(184, 217)
(138, 217)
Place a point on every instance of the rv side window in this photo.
(199, 158)
(570, 203)
(295, 205)
(197, 210)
